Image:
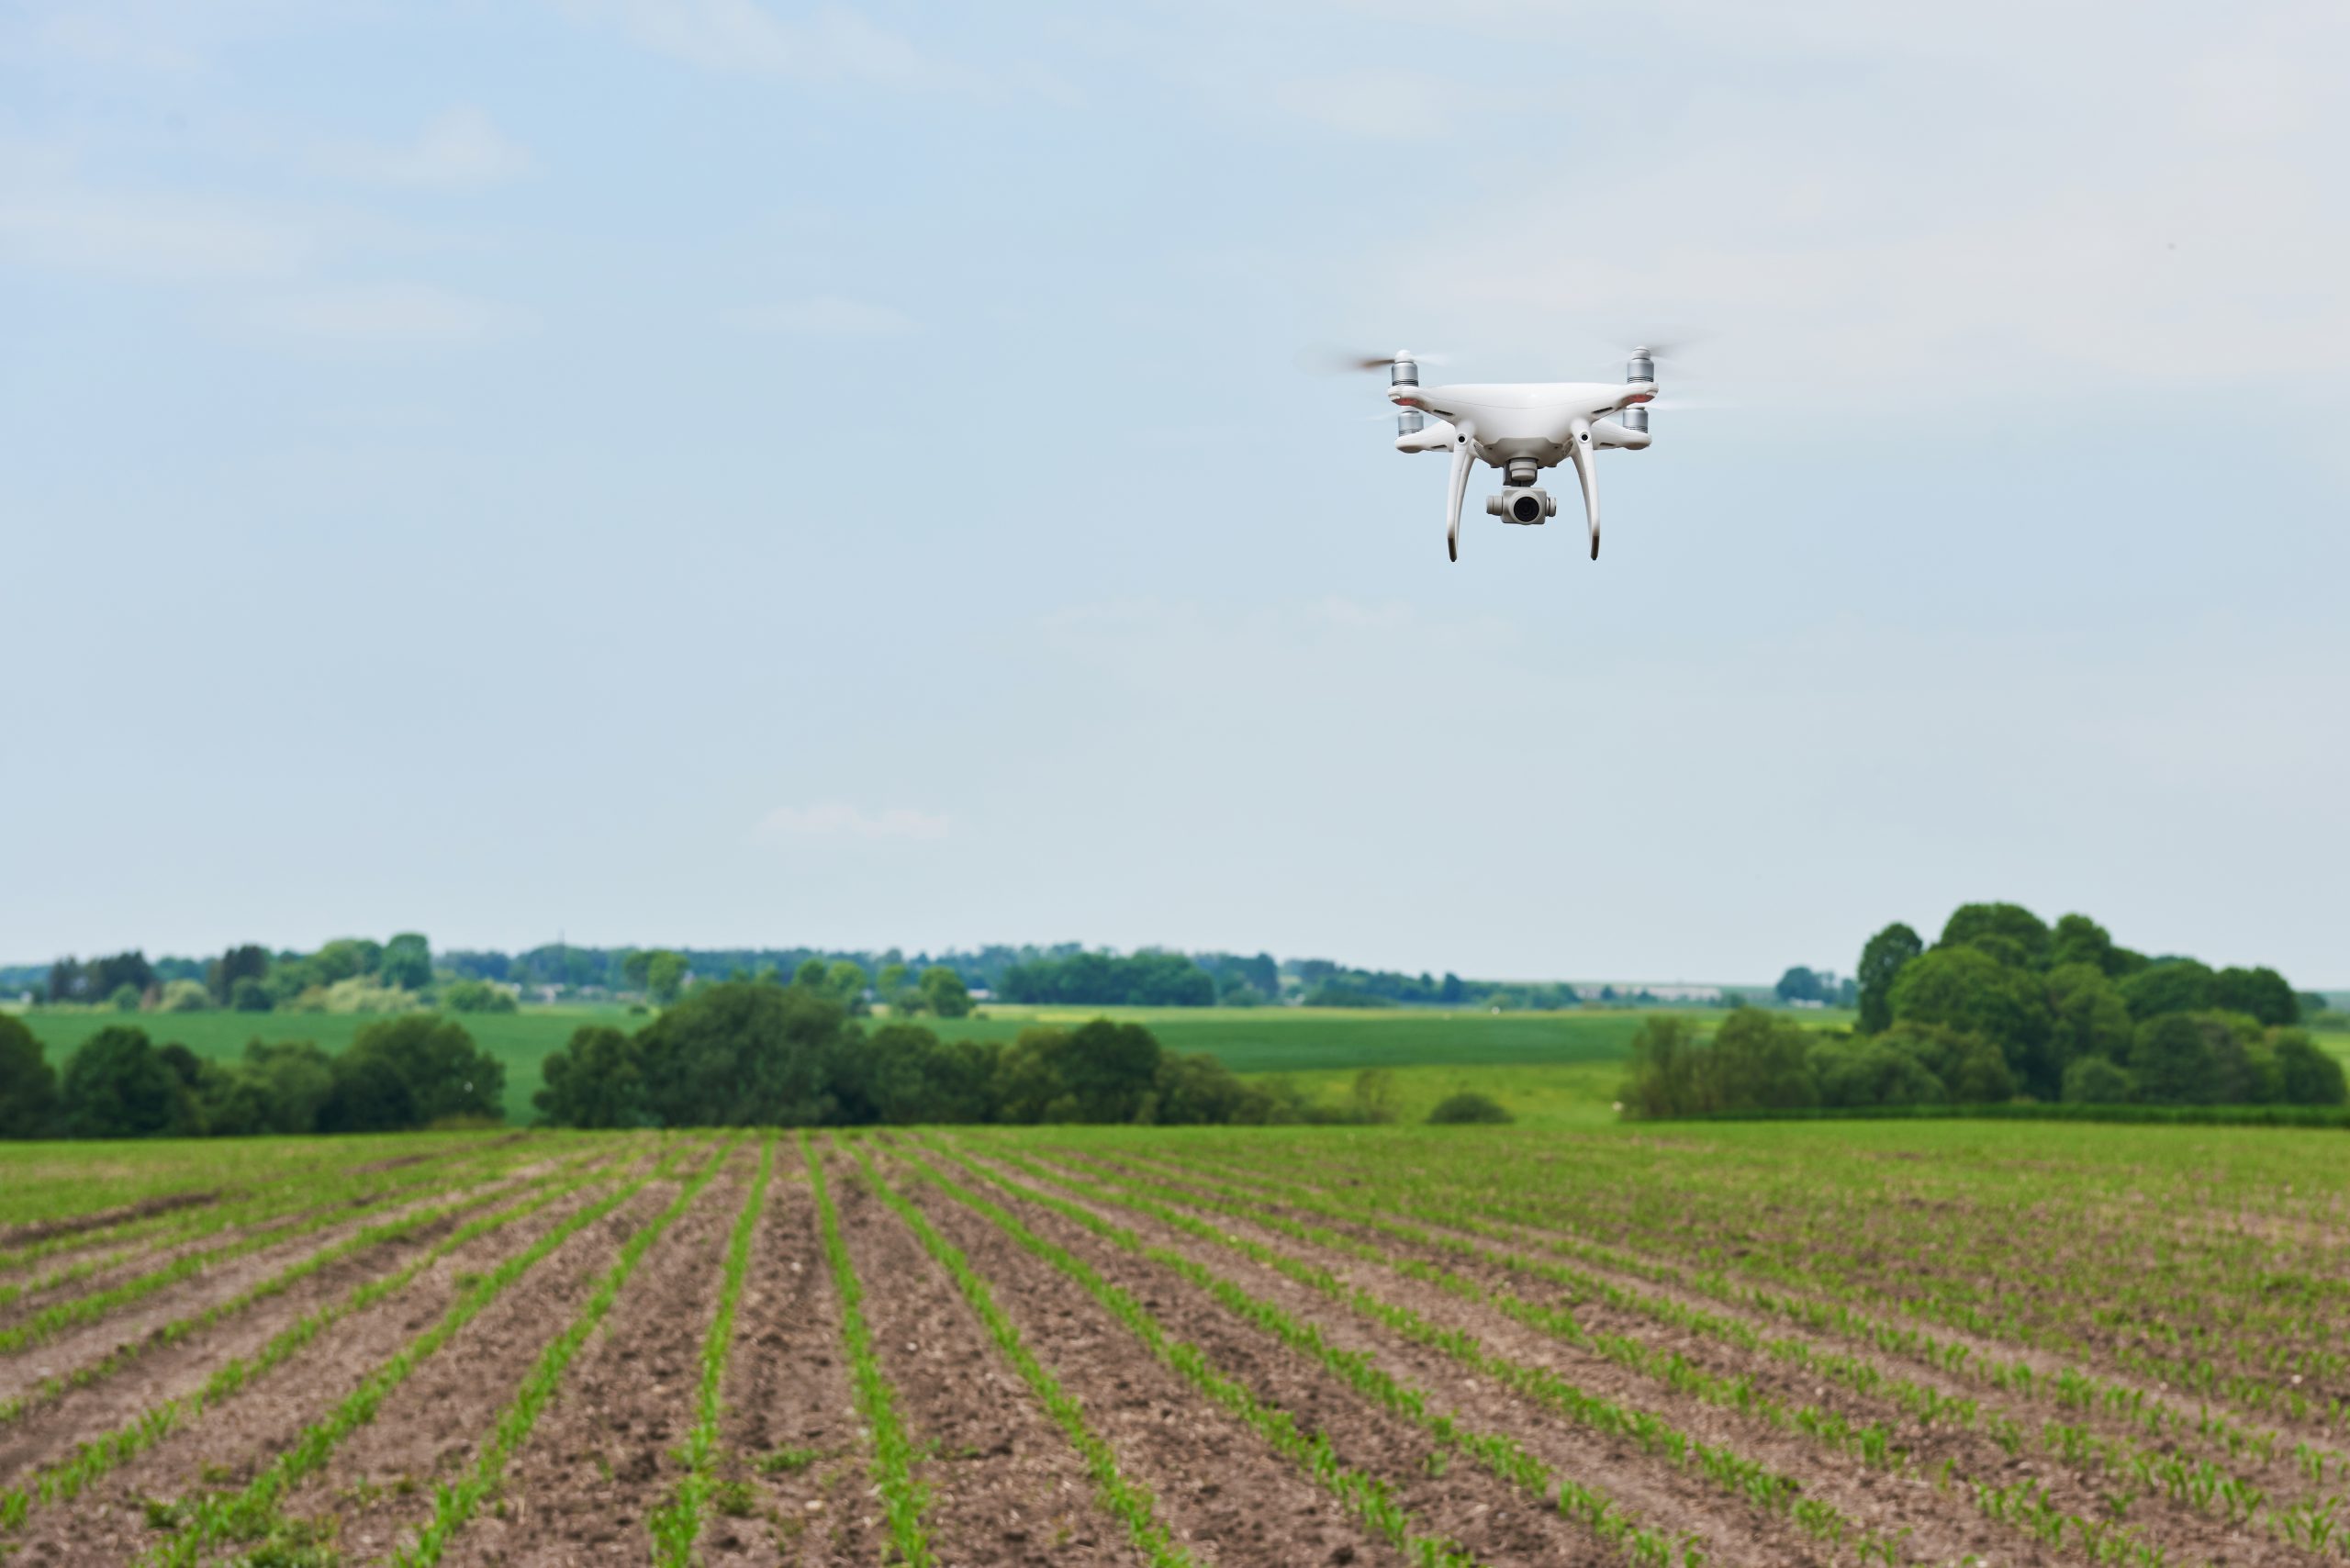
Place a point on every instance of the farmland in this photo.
(1248, 1040)
(1757, 1344)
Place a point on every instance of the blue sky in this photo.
(735, 472)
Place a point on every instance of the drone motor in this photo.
(1405, 372)
(1642, 367)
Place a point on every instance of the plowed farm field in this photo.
(1780, 1344)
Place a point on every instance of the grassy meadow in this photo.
(1549, 1068)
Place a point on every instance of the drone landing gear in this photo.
(1464, 455)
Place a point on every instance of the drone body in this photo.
(1522, 429)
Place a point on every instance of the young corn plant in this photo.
(457, 1503)
(891, 1465)
(250, 1514)
(676, 1524)
(1128, 1502)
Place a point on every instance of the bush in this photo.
(596, 1080)
(1468, 1107)
(2095, 1080)
(118, 1086)
(477, 996)
(2307, 1075)
(184, 996)
(27, 1083)
(409, 1072)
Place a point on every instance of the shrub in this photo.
(1468, 1107)
(184, 996)
(477, 996)
(2095, 1080)
(2307, 1075)
(27, 1083)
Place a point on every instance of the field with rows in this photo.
(1754, 1344)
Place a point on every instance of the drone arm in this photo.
(1587, 470)
(1464, 453)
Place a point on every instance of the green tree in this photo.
(943, 993)
(2095, 1080)
(2078, 939)
(27, 1083)
(1667, 1074)
(246, 962)
(118, 1086)
(2089, 1018)
(596, 1080)
(2261, 992)
(2171, 985)
(665, 976)
(1881, 964)
(2307, 1075)
(1970, 922)
(1761, 1063)
(407, 963)
(1798, 984)
(184, 996)
(635, 963)
(1867, 1070)
(738, 1053)
(477, 996)
(438, 1070)
(2173, 1062)
(249, 995)
(891, 979)
(345, 956)
(1965, 988)
(1194, 1090)
(847, 980)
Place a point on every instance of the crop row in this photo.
(676, 1524)
(1128, 1502)
(68, 1478)
(252, 1514)
(54, 1386)
(902, 1498)
(1733, 1473)
(1871, 1442)
(2073, 1387)
(457, 1503)
(319, 1214)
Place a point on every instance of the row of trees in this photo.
(759, 1053)
(351, 974)
(2005, 1006)
(400, 1073)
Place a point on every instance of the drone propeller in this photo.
(1339, 361)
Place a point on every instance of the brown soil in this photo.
(1005, 1486)
(146, 1208)
(1875, 1496)
(603, 1455)
(1490, 1518)
(380, 1482)
(228, 1444)
(787, 1403)
(1216, 1486)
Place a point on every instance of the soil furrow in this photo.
(1005, 1487)
(1217, 1486)
(229, 1443)
(379, 1483)
(1450, 1496)
(790, 1423)
(1872, 1494)
(600, 1458)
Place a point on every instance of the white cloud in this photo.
(50, 218)
(460, 150)
(825, 315)
(1383, 105)
(743, 38)
(835, 820)
(394, 315)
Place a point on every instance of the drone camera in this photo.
(1521, 504)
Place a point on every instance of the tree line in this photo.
(765, 1053)
(415, 1070)
(2004, 1006)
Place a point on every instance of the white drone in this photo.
(1521, 429)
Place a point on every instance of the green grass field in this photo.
(1323, 1048)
